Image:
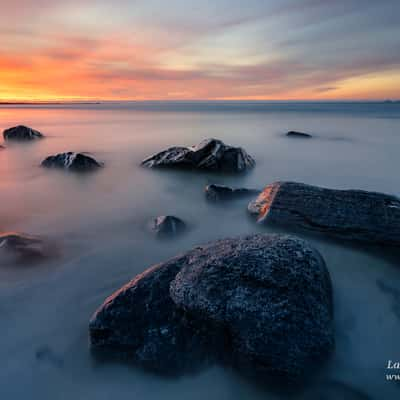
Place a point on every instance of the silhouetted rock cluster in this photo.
(210, 154)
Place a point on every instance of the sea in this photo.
(100, 224)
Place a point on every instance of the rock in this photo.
(140, 323)
(168, 225)
(72, 161)
(210, 154)
(24, 248)
(271, 294)
(221, 193)
(262, 303)
(300, 135)
(21, 133)
(348, 214)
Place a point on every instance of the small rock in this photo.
(348, 214)
(221, 193)
(167, 226)
(210, 154)
(300, 135)
(24, 248)
(21, 133)
(72, 161)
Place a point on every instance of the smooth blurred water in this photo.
(100, 220)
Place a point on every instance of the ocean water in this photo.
(99, 221)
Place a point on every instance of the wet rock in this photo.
(140, 323)
(72, 161)
(348, 214)
(300, 135)
(262, 303)
(167, 226)
(217, 193)
(210, 154)
(24, 248)
(21, 133)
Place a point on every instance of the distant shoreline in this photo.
(105, 102)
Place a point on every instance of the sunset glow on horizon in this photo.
(226, 49)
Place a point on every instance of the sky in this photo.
(203, 49)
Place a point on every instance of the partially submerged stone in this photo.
(21, 133)
(262, 303)
(218, 193)
(349, 214)
(167, 226)
(210, 154)
(72, 161)
(24, 248)
(300, 135)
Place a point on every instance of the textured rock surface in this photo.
(210, 154)
(272, 294)
(221, 193)
(141, 323)
(350, 214)
(23, 248)
(22, 133)
(262, 303)
(72, 161)
(296, 134)
(167, 226)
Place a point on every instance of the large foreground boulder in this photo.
(350, 214)
(72, 161)
(262, 303)
(217, 193)
(210, 154)
(21, 133)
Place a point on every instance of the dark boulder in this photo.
(210, 154)
(72, 161)
(24, 248)
(167, 226)
(300, 135)
(21, 133)
(262, 303)
(217, 193)
(349, 214)
(140, 323)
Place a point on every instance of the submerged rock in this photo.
(262, 303)
(349, 214)
(168, 225)
(22, 133)
(24, 248)
(300, 135)
(72, 161)
(210, 154)
(221, 193)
